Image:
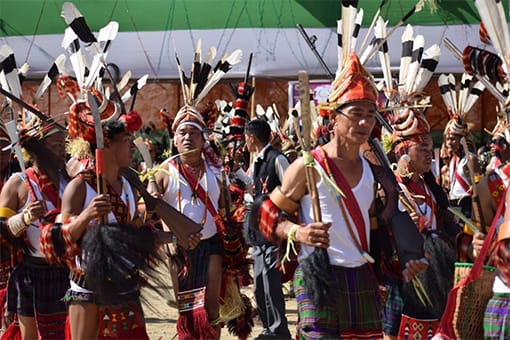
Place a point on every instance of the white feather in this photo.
(340, 56)
(46, 82)
(408, 35)
(357, 22)
(384, 58)
(233, 59)
(465, 83)
(446, 95)
(124, 80)
(473, 97)
(453, 92)
(348, 19)
(107, 33)
(76, 58)
(11, 78)
(415, 64)
(259, 110)
(23, 70)
(431, 56)
(69, 12)
(492, 14)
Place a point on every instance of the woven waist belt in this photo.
(191, 299)
(78, 277)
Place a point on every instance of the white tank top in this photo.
(33, 231)
(194, 209)
(128, 197)
(342, 250)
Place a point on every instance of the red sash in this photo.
(47, 189)
(458, 177)
(193, 182)
(496, 184)
(350, 200)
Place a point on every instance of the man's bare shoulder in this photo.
(294, 180)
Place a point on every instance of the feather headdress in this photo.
(405, 98)
(353, 82)
(202, 79)
(459, 100)
(89, 66)
(494, 67)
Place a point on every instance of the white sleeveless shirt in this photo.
(128, 197)
(342, 250)
(194, 209)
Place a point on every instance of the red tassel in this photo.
(3, 294)
(12, 332)
(195, 325)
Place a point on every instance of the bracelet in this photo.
(16, 224)
(291, 235)
(27, 217)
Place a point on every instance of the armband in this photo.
(504, 231)
(6, 212)
(283, 202)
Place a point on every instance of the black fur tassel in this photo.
(437, 280)
(243, 325)
(317, 278)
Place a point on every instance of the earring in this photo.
(402, 166)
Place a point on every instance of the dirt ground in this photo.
(161, 318)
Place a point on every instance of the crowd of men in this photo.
(368, 234)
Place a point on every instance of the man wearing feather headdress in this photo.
(351, 309)
(206, 277)
(191, 184)
(406, 313)
(28, 200)
(458, 179)
(101, 288)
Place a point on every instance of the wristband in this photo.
(16, 225)
(27, 217)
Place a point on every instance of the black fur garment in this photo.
(118, 259)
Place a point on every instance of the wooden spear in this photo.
(316, 266)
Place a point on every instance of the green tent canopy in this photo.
(150, 31)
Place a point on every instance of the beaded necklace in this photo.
(194, 196)
(411, 190)
(347, 220)
(120, 201)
